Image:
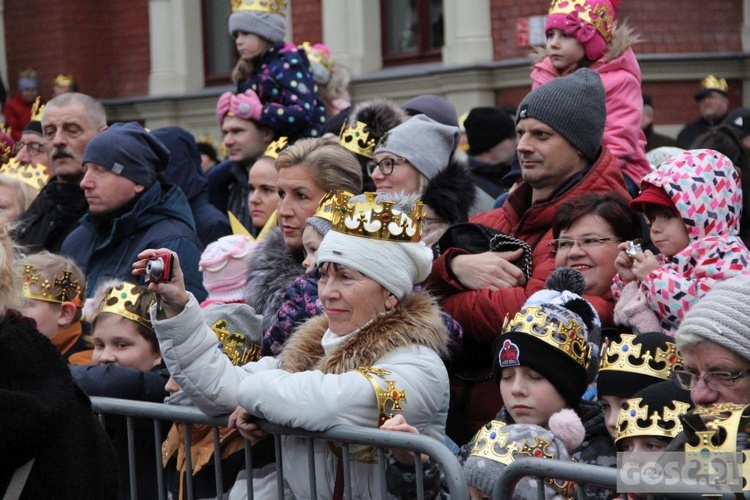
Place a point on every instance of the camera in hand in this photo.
(634, 248)
(159, 269)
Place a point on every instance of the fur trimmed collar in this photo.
(416, 320)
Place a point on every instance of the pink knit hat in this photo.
(590, 21)
(225, 266)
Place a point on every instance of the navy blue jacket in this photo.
(184, 170)
(161, 217)
(228, 191)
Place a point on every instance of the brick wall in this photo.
(104, 45)
(307, 21)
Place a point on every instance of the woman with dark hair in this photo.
(587, 231)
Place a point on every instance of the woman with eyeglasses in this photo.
(587, 231)
(714, 339)
(418, 156)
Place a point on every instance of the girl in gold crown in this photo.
(275, 84)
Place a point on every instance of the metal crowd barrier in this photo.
(582, 474)
(345, 434)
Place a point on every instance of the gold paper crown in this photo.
(325, 206)
(599, 16)
(120, 299)
(390, 398)
(713, 83)
(723, 423)
(276, 147)
(619, 356)
(62, 80)
(235, 345)
(628, 426)
(35, 176)
(357, 139)
(376, 219)
(36, 110)
(492, 443)
(270, 6)
(60, 289)
(6, 143)
(566, 336)
(318, 56)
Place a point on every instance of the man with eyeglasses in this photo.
(69, 122)
(714, 340)
(559, 126)
(31, 150)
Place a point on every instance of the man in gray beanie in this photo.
(714, 340)
(130, 210)
(559, 126)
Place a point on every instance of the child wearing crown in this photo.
(54, 288)
(275, 84)
(583, 33)
(127, 364)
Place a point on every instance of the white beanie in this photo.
(722, 316)
(395, 265)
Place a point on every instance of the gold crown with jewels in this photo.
(270, 6)
(276, 147)
(325, 206)
(620, 356)
(121, 299)
(713, 83)
(35, 176)
(565, 334)
(492, 443)
(357, 139)
(376, 219)
(666, 425)
(235, 345)
(724, 421)
(62, 80)
(599, 16)
(36, 110)
(59, 289)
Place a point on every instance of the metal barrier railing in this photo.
(345, 434)
(582, 474)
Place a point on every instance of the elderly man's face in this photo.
(714, 106)
(547, 158)
(31, 150)
(708, 357)
(107, 191)
(67, 132)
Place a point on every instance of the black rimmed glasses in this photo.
(567, 244)
(385, 165)
(713, 380)
(34, 147)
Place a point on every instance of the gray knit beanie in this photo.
(574, 106)
(722, 316)
(425, 143)
(266, 25)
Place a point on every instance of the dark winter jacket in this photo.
(273, 268)
(129, 383)
(228, 191)
(655, 140)
(451, 192)
(284, 84)
(184, 170)
(694, 130)
(53, 214)
(489, 176)
(45, 416)
(161, 217)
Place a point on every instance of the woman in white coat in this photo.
(377, 336)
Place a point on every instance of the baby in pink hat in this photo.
(225, 267)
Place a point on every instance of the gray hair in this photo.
(95, 114)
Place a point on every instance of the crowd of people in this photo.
(345, 265)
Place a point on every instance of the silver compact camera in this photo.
(634, 248)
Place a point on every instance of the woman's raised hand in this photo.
(171, 292)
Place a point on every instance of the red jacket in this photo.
(482, 312)
(17, 115)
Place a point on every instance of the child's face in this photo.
(612, 406)
(311, 239)
(565, 52)
(529, 397)
(668, 232)
(117, 341)
(46, 315)
(249, 45)
(640, 444)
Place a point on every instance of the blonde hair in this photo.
(24, 194)
(10, 281)
(332, 166)
(50, 266)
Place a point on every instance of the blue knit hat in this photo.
(128, 150)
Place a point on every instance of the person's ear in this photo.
(68, 312)
(391, 301)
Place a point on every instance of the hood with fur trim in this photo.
(452, 192)
(415, 321)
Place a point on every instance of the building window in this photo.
(412, 31)
(219, 53)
